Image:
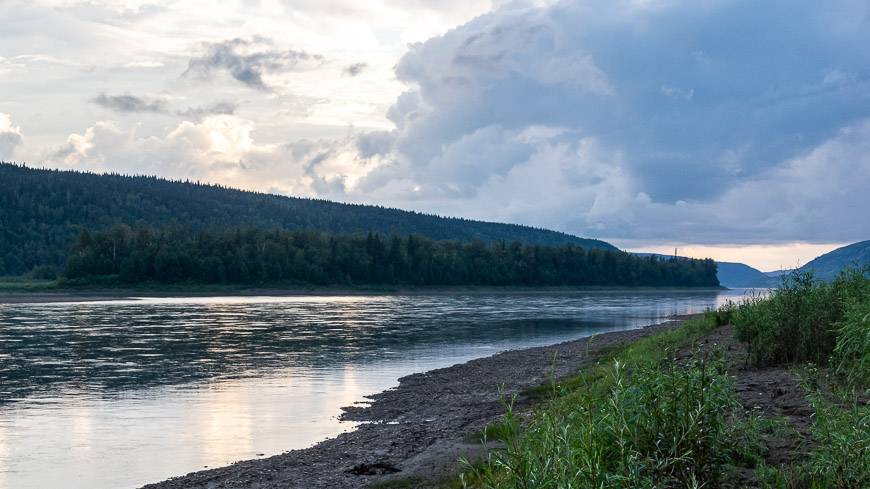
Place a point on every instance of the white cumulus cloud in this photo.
(10, 137)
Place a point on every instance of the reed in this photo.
(800, 320)
(642, 420)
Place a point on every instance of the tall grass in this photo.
(651, 428)
(826, 324)
(639, 421)
(840, 452)
(799, 321)
(852, 351)
(643, 420)
(841, 456)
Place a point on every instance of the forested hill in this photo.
(829, 265)
(42, 211)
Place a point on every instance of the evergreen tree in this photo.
(251, 255)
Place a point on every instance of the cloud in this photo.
(127, 103)
(683, 93)
(249, 62)
(727, 121)
(355, 69)
(218, 108)
(189, 148)
(10, 137)
(821, 192)
(144, 64)
(219, 148)
(686, 128)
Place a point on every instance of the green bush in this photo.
(724, 314)
(643, 427)
(853, 343)
(798, 322)
(841, 456)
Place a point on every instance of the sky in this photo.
(734, 129)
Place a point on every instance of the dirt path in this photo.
(417, 431)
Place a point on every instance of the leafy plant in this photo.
(841, 457)
(798, 321)
(853, 343)
(639, 426)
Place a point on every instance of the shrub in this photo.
(644, 427)
(841, 457)
(852, 352)
(798, 322)
(724, 314)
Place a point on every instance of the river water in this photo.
(116, 394)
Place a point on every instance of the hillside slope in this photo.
(733, 275)
(41, 211)
(827, 266)
(741, 275)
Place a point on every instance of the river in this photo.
(116, 394)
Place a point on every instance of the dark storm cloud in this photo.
(248, 61)
(710, 121)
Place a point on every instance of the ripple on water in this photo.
(152, 342)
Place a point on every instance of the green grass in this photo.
(638, 419)
(840, 453)
(841, 457)
(635, 420)
(648, 351)
(25, 284)
(823, 330)
(799, 321)
(852, 350)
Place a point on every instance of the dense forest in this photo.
(250, 255)
(42, 211)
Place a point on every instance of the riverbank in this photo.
(769, 393)
(418, 431)
(47, 294)
(746, 425)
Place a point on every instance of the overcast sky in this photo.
(729, 128)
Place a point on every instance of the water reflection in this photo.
(116, 394)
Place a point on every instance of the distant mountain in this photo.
(740, 275)
(733, 275)
(827, 266)
(41, 212)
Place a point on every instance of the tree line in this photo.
(255, 255)
(42, 211)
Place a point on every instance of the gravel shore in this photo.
(418, 430)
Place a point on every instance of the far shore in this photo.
(10, 294)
